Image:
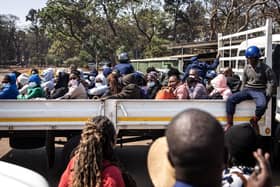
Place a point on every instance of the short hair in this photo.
(196, 143)
(241, 141)
(173, 71)
(77, 73)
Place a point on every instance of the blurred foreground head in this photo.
(196, 148)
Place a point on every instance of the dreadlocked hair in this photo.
(96, 144)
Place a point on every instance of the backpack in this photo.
(165, 93)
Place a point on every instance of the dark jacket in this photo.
(10, 90)
(131, 91)
(61, 87)
(152, 91)
(201, 68)
(124, 68)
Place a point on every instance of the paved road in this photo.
(133, 156)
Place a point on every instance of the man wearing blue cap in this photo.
(201, 67)
(257, 84)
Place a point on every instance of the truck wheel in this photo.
(27, 142)
(69, 147)
(50, 149)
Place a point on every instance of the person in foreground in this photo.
(94, 162)
(240, 142)
(192, 154)
(196, 149)
(262, 178)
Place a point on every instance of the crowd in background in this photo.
(199, 81)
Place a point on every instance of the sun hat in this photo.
(160, 170)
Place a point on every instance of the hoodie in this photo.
(10, 90)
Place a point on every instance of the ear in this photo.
(170, 159)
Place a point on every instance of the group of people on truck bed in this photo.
(199, 81)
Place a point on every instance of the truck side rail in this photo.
(47, 114)
(129, 114)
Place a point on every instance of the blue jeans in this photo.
(247, 94)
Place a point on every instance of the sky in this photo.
(20, 8)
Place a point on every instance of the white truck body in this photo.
(54, 115)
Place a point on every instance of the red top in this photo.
(111, 175)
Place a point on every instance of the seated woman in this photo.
(47, 81)
(114, 84)
(220, 88)
(76, 88)
(61, 84)
(153, 85)
(130, 89)
(34, 89)
(100, 86)
(94, 162)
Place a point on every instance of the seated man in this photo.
(195, 89)
(124, 65)
(258, 83)
(9, 88)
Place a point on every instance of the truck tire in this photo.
(27, 142)
(68, 149)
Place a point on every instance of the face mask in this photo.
(151, 84)
(74, 82)
(4, 84)
(91, 78)
(32, 84)
(98, 84)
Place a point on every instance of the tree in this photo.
(38, 43)
(7, 35)
(188, 19)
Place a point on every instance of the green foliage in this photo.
(75, 60)
(85, 57)
(96, 30)
(53, 60)
(157, 48)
